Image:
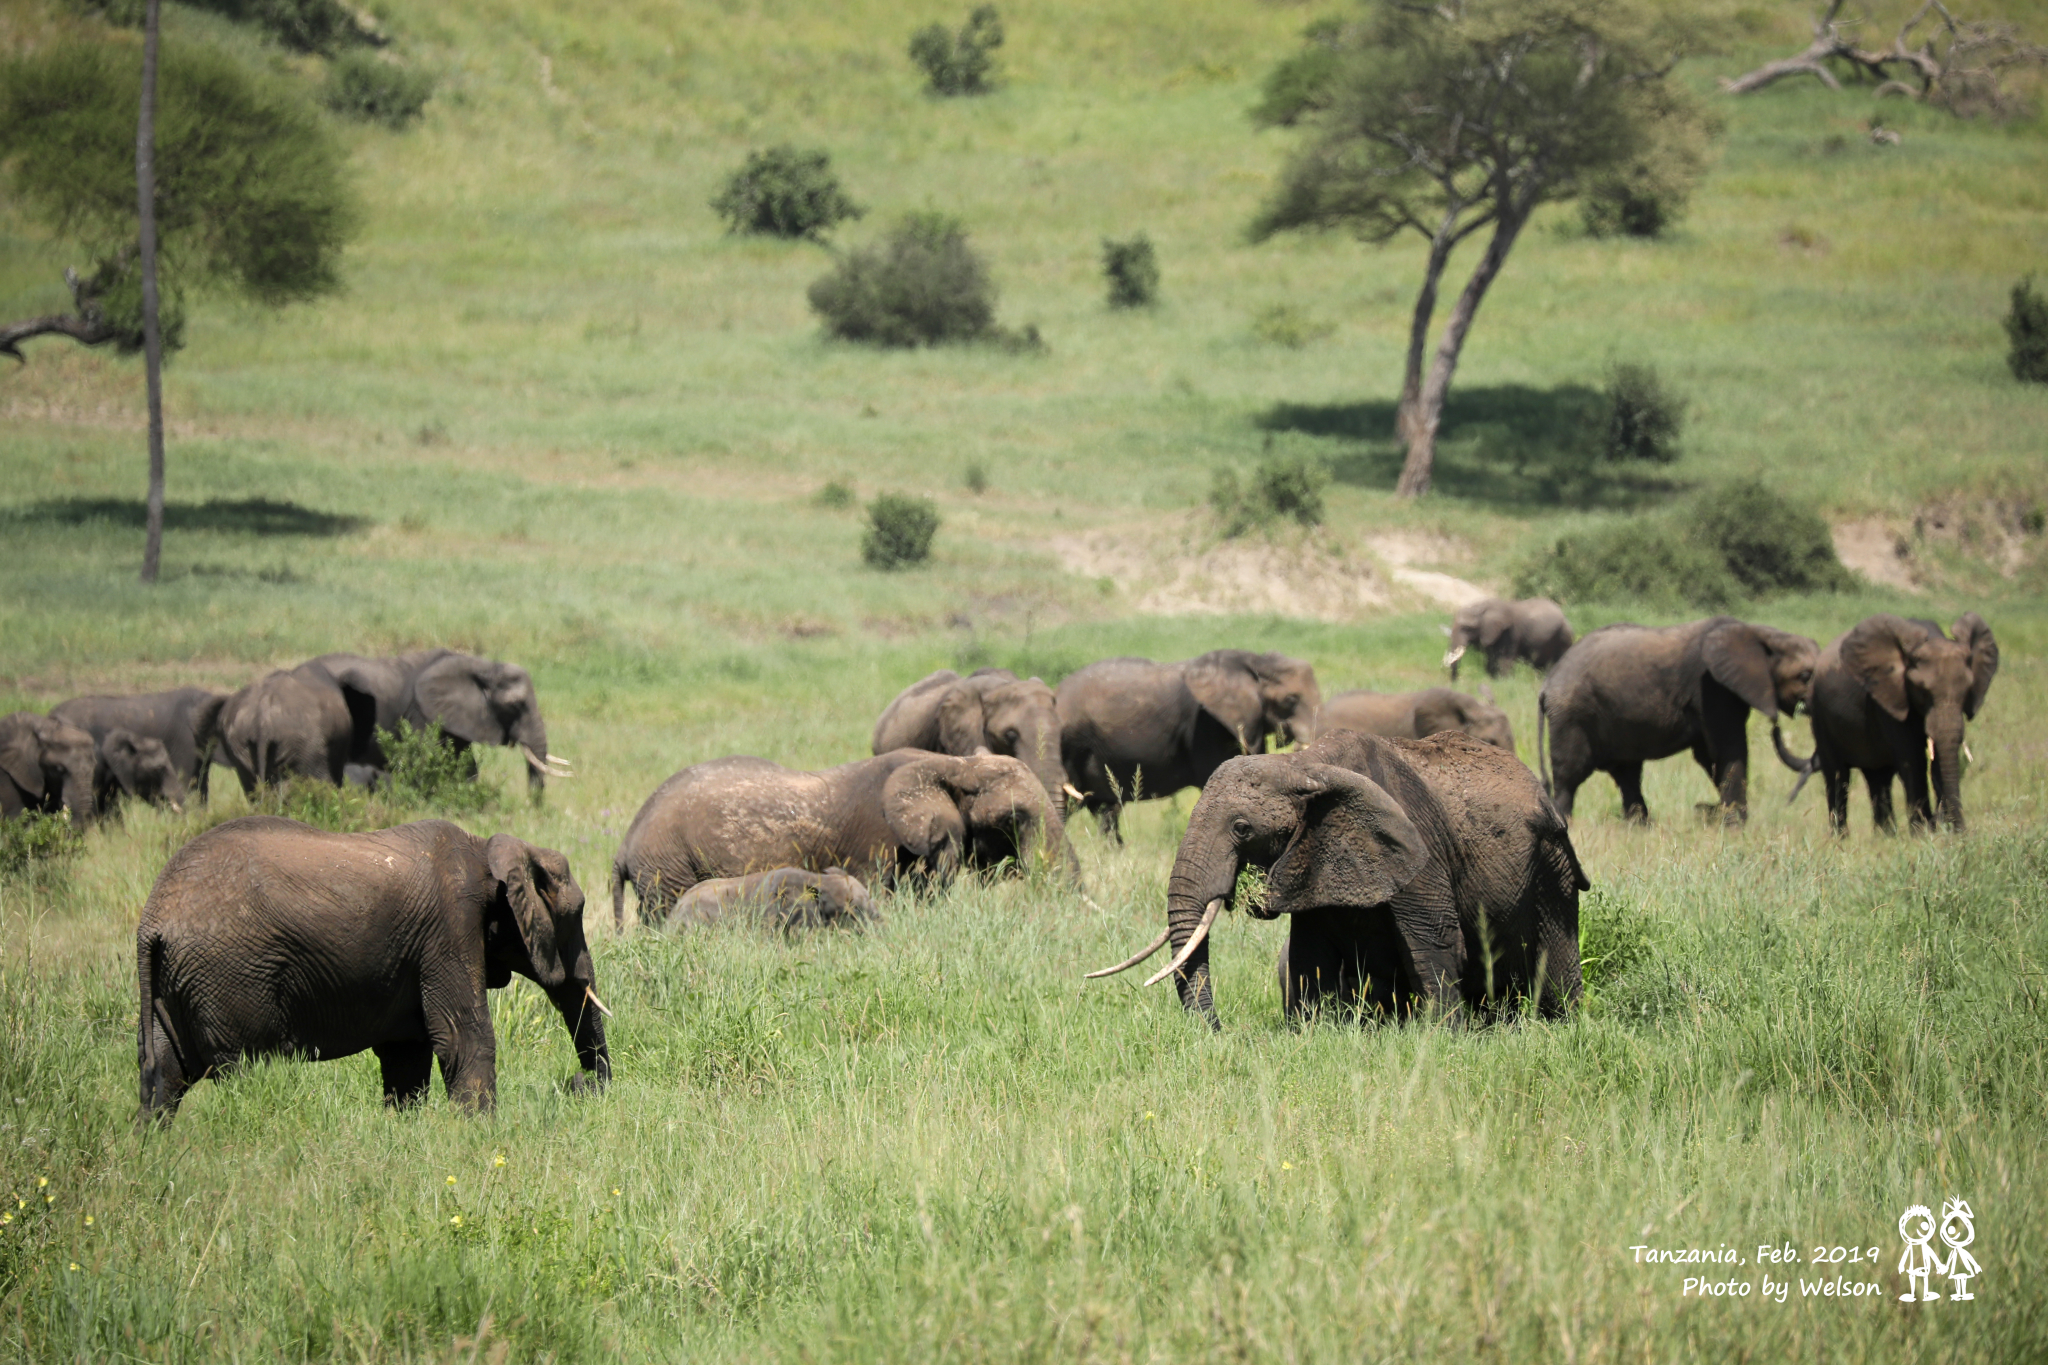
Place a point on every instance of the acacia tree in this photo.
(245, 187)
(1454, 119)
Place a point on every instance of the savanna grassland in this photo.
(558, 417)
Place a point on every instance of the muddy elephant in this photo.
(786, 898)
(1890, 698)
(991, 710)
(1132, 728)
(1532, 631)
(1429, 875)
(902, 816)
(129, 765)
(47, 766)
(1418, 715)
(296, 723)
(1627, 694)
(185, 720)
(266, 937)
(475, 701)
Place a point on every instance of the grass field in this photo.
(559, 418)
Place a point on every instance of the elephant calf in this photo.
(126, 764)
(1532, 631)
(1418, 715)
(45, 765)
(266, 937)
(787, 898)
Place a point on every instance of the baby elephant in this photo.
(787, 898)
(132, 765)
(266, 937)
(1418, 715)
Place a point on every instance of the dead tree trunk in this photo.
(152, 334)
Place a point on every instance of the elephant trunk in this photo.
(1802, 766)
(1558, 977)
(1196, 882)
(1945, 737)
(531, 735)
(583, 1014)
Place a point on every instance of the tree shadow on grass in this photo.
(246, 516)
(1508, 444)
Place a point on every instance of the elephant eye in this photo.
(1010, 735)
(1241, 827)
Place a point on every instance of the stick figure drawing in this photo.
(1960, 1265)
(1917, 1261)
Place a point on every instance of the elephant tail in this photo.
(154, 1034)
(1803, 766)
(621, 874)
(1542, 749)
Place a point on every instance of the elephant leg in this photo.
(1879, 783)
(164, 1081)
(1919, 804)
(1629, 777)
(408, 1069)
(1836, 782)
(1426, 944)
(462, 1040)
(1311, 969)
(1726, 743)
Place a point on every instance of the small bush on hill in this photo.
(959, 64)
(430, 773)
(835, 495)
(920, 286)
(975, 477)
(1132, 268)
(1280, 488)
(362, 85)
(32, 841)
(1642, 416)
(785, 192)
(2026, 326)
(900, 531)
(1769, 544)
(1631, 206)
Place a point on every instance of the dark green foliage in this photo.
(1642, 416)
(1301, 84)
(322, 26)
(959, 64)
(785, 192)
(836, 495)
(1279, 489)
(32, 840)
(976, 477)
(1769, 543)
(919, 286)
(1631, 206)
(1132, 269)
(313, 801)
(113, 293)
(900, 530)
(2026, 326)
(1613, 937)
(362, 85)
(427, 772)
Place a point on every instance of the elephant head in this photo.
(1480, 623)
(1912, 670)
(139, 768)
(948, 812)
(1004, 714)
(1478, 716)
(46, 765)
(483, 701)
(1771, 670)
(535, 928)
(1253, 695)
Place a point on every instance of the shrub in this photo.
(959, 64)
(362, 85)
(1132, 269)
(1641, 417)
(1631, 206)
(1769, 544)
(835, 495)
(2027, 328)
(976, 477)
(1279, 488)
(1285, 325)
(313, 801)
(921, 285)
(32, 841)
(900, 531)
(1645, 560)
(785, 192)
(428, 772)
(322, 26)
(1613, 937)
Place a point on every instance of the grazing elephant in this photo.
(128, 765)
(1415, 874)
(1626, 694)
(290, 724)
(1132, 728)
(1533, 630)
(1890, 698)
(186, 721)
(902, 815)
(991, 710)
(787, 898)
(473, 700)
(45, 765)
(266, 937)
(1418, 715)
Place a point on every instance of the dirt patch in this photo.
(1943, 537)
(1874, 549)
(1401, 551)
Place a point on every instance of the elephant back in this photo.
(911, 721)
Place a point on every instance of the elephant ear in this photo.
(121, 753)
(21, 754)
(454, 693)
(1356, 846)
(922, 806)
(1230, 694)
(1876, 651)
(1001, 793)
(1736, 658)
(525, 881)
(206, 723)
(1444, 711)
(962, 720)
(1974, 634)
(1495, 621)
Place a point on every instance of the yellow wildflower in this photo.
(451, 1180)
(456, 1221)
(615, 1191)
(88, 1220)
(74, 1265)
(42, 1181)
(498, 1160)
(1286, 1165)
(6, 1217)
(1150, 1115)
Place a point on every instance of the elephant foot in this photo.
(586, 1083)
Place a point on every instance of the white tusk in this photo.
(1071, 790)
(1968, 757)
(560, 758)
(597, 1002)
(1194, 941)
(533, 759)
(1131, 962)
(1452, 656)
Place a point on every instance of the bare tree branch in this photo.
(88, 326)
(1959, 64)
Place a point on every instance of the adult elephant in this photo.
(266, 937)
(1414, 874)
(991, 710)
(45, 765)
(185, 720)
(1532, 630)
(129, 765)
(1890, 698)
(902, 815)
(1627, 694)
(296, 723)
(475, 701)
(1418, 715)
(1131, 727)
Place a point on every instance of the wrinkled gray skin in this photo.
(1400, 864)
(266, 937)
(787, 898)
(906, 815)
(186, 721)
(1886, 696)
(137, 768)
(991, 710)
(1627, 694)
(1418, 715)
(1132, 728)
(474, 701)
(47, 766)
(1532, 630)
(286, 725)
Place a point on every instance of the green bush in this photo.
(427, 772)
(362, 85)
(1641, 416)
(1613, 937)
(33, 840)
(785, 192)
(320, 803)
(920, 286)
(975, 477)
(2026, 326)
(900, 531)
(1768, 543)
(1280, 488)
(836, 495)
(322, 26)
(1132, 268)
(1631, 206)
(959, 64)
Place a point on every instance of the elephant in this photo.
(1626, 694)
(45, 765)
(1132, 727)
(474, 701)
(1533, 630)
(1425, 875)
(300, 723)
(908, 815)
(126, 764)
(1418, 715)
(786, 898)
(1890, 696)
(991, 710)
(185, 720)
(266, 937)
